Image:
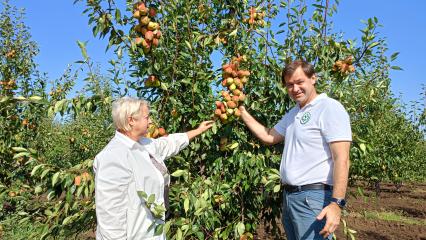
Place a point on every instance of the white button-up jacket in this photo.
(121, 169)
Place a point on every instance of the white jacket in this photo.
(121, 169)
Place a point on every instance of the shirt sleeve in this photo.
(281, 126)
(112, 178)
(166, 147)
(335, 123)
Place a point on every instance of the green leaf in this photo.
(35, 98)
(240, 227)
(234, 145)
(59, 105)
(188, 45)
(19, 149)
(55, 178)
(36, 168)
(186, 205)
(179, 173)
(362, 147)
(394, 56)
(21, 154)
(82, 46)
(277, 188)
(396, 68)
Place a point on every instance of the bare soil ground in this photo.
(408, 204)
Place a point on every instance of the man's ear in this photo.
(314, 79)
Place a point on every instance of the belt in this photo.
(313, 186)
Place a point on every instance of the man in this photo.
(315, 162)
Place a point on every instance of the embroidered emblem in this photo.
(305, 118)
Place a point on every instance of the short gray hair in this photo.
(126, 107)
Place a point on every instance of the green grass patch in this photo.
(393, 216)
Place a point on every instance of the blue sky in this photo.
(56, 25)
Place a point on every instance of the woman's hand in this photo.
(204, 126)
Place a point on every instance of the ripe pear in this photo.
(155, 133)
(223, 109)
(242, 97)
(230, 111)
(149, 35)
(237, 112)
(152, 12)
(240, 86)
(236, 92)
(223, 116)
(231, 104)
(218, 104)
(162, 131)
(152, 26)
(224, 82)
(229, 81)
(244, 80)
(145, 20)
(157, 33)
(136, 14)
(237, 81)
(232, 87)
(143, 30)
(155, 42)
(235, 98)
(217, 112)
(138, 41)
(228, 70)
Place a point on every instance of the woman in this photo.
(130, 164)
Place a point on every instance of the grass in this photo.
(393, 216)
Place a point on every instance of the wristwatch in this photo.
(341, 202)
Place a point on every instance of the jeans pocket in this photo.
(317, 200)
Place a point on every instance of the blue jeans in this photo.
(300, 210)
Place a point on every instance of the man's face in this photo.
(300, 87)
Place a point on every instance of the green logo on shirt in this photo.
(305, 118)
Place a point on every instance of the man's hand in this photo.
(332, 214)
(269, 136)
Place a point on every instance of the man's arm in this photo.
(340, 154)
(268, 136)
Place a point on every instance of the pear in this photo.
(231, 104)
(149, 35)
(232, 87)
(153, 25)
(145, 21)
(152, 12)
(229, 81)
(217, 112)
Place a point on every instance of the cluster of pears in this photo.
(8, 85)
(344, 66)
(233, 95)
(148, 31)
(256, 17)
(152, 81)
(156, 132)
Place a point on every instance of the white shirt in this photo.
(307, 134)
(121, 169)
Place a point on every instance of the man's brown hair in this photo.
(289, 69)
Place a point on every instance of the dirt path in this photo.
(395, 215)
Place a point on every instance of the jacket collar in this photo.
(125, 139)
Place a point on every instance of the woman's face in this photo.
(141, 123)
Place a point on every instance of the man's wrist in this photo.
(340, 202)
